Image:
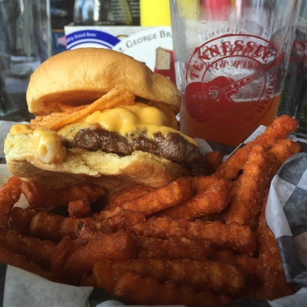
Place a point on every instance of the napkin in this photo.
(286, 215)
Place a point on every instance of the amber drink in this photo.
(230, 63)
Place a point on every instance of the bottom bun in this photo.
(81, 166)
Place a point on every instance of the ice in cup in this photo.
(230, 62)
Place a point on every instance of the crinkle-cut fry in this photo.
(200, 274)
(213, 199)
(166, 196)
(54, 227)
(216, 216)
(37, 250)
(214, 160)
(126, 195)
(248, 190)
(42, 196)
(272, 274)
(84, 232)
(148, 291)
(79, 208)
(283, 150)
(247, 264)
(61, 253)
(103, 274)
(21, 219)
(115, 246)
(173, 248)
(88, 281)
(92, 192)
(38, 195)
(114, 98)
(201, 183)
(9, 195)
(121, 220)
(279, 129)
(98, 228)
(233, 236)
(21, 261)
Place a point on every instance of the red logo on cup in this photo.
(232, 70)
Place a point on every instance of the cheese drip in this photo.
(47, 144)
(126, 120)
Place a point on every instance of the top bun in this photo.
(81, 76)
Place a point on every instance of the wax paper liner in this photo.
(286, 215)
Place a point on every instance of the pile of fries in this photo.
(196, 241)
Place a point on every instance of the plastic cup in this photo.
(230, 63)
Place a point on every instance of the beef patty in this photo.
(173, 146)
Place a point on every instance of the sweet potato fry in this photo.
(38, 195)
(79, 208)
(54, 121)
(126, 195)
(201, 183)
(249, 265)
(173, 248)
(233, 235)
(9, 195)
(54, 227)
(20, 261)
(278, 130)
(121, 220)
(170, 195)
(200, 274)
(167, 196)
(148, 291)
(21, 219)
(283, 150)
(41, 196)
(86, 233)
(272, 273)
(92, 192)
(39, 251)
(88, 281)
(214, 160)
(248, 190)
(61, 253)
(213, 199)
(119, 245)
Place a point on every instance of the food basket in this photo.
(286, 215)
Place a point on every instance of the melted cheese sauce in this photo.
(20, 128)
(126, 120)
(46, 143)
(48, 146)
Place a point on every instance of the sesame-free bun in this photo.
(80, 166)
(80, 76)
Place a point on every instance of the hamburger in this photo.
(101, 117)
